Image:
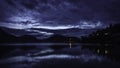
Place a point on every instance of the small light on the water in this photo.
(106, 51)
(97, 34)
(106, 33)
(98, 51)
(70, 43)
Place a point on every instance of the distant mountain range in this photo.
(74, 32)
(9, 38)
(46, 33)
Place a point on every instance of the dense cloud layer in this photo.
(59, 11)
(58, 14)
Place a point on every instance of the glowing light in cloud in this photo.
(56, 27)
(41, 32)
(89, 25)
(16, 26)
(22, 19)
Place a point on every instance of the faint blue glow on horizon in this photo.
(83, 25)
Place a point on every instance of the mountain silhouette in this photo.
(7, 38)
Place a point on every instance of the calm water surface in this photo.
(45, 55)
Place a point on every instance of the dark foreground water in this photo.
(59, 55)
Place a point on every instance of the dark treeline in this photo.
(111, 34)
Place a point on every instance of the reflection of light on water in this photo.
(70, 43)
(82, 58)
(106, 33)
(97, 34)
(98, 50)
(106, 51)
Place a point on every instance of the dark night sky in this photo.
(58, 14)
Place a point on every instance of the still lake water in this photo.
(59, 55)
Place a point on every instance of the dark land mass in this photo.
(8, 38)
(110, 34)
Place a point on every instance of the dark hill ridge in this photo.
(72, 32)
(8, 38)
(5, 37)
(15, 32)
(63, 39)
